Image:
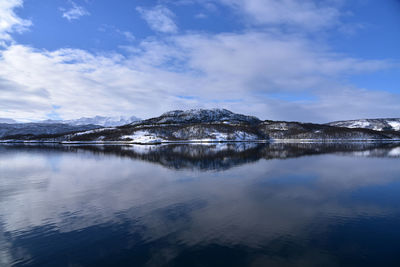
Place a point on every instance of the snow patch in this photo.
(395, 125)
(359, 124)
(94, 131)
(143, 137)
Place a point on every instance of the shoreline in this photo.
(288, 141)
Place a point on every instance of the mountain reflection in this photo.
(95, 206)
(218, 156)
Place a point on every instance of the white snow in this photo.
(374, 124)
(202, 115)
(94, 131)
(98, 120)
(223, 137)
(143, 137)
(395, 125)
(280, 127)
(359, 124)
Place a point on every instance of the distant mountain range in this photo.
(40, 131)
(4, 120)
(10, 128)
(209, 125)
(373, 124)
(98, 120)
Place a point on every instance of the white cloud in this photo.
(159, 19)
(244, 72)
(235, 71)
(308, 14)
(75, 12)
(81, 83)
(268, 62)
(9, 21)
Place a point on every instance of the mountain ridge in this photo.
(217, 125)
(200, 116)
(97, 120)
(35, 130)
(380, 124)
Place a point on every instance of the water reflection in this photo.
(184, 205)
(217, 156)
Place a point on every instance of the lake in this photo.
(240, 204)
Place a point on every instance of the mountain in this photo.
(191, 125)
(214, 125)
(28, 131)
(373, 124)
(200, 116)
(10, 129)
(98, 120)
(5, 120)
(311, 131)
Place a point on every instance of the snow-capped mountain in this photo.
(373, 124)
(200, 116)
(26, 131)
(205, 125)
(98, 120)
(5, 120)
(219, 125)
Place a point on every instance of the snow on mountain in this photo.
(395, 125)
(195, 125)
(212, 135)
(310, 131)
(28, 130)
(5, 120)
(200, 116)
(199, 125)
(98, 120)
(373, 124)
(220, 125)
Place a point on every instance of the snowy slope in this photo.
(98, 120)
(220, 125)
(27, 130)
(203, 125)
(373, 124)
(195, 125)
(200, 116)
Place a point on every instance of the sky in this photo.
(295, 60)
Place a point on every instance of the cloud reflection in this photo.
(229, 196)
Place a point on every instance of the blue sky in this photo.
(303, 60)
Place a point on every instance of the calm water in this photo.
(201, 205)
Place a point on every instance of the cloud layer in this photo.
(269, 73)
(306, 14)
